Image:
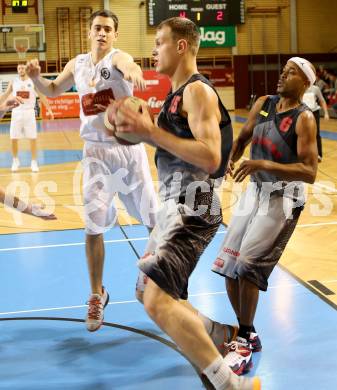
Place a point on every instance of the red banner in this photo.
(63, 106)
(157, 88)
(68, 104)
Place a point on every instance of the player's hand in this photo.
(139, 123)
(51, 114)
(39, 211)
(230, 168)
(134, 74)
(11, 103)
(326, 116)
(33, 68)
(247, 168)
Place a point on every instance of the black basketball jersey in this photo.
(275, 139)
(172, 121)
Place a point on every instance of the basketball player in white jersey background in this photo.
(103, 74)
(23, 122)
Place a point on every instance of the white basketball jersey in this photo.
(96, 84)
(24, 89)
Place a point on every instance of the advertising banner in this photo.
(68, 104)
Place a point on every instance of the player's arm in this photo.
(246, 132)
(51, 88)
(304, 170)
(7, 93)
(131, 71)
(45, 102)
(26, 208)
(200, 105)
(245, 136)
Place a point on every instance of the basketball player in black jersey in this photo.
(282, 133)
(193, 140)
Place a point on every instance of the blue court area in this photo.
(44, 157)
(44, 343)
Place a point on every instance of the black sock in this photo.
(253, 327)
(244, 331)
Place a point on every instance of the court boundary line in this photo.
(308, 286)
(126, 239)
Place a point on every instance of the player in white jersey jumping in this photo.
(23, 123)
(103, 74)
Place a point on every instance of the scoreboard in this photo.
(19, 6)
(201, 12)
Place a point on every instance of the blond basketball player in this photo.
(193, 140)
(103, 74)
(23, 123)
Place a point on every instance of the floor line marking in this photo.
(69, 244)
(131, 239)
(135, 301)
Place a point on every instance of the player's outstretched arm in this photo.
(51, 88)
(131, 71)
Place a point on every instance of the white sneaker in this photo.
(34, 167)
(15, 164)
(96, 307)
(239, 356)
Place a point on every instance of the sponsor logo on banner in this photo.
(64, 106)
(223, 36)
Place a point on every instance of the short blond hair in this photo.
(183, 28)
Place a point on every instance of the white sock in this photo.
(218, 373)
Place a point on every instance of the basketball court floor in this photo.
(44, 287)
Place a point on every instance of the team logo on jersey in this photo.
(285, 124)
(105, 73)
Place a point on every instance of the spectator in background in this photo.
(332, 89)
(314, 99)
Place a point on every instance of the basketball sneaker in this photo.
(96, 307)
(239, 356)
(34, 167)
(255, 342)
(15, 164)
